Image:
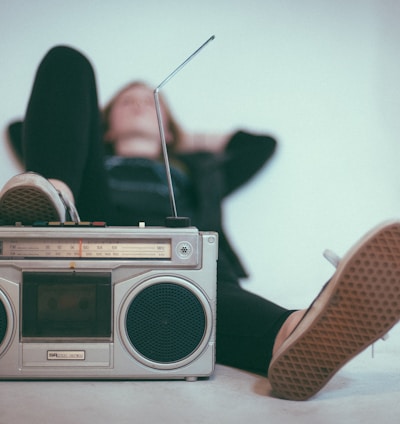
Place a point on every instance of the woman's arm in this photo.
(238, 156)
(244, 155)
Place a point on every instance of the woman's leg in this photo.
(247, 326)
(62, 133)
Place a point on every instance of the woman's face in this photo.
(133, 116)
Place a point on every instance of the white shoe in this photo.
(358, 306)
(29, 198)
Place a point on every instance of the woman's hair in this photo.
(173, 127)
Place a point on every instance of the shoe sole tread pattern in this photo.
(361, 305)
(27, 205)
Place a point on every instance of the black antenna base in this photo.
(177, 222)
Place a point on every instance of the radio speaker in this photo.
(3, 321)
(167, 321)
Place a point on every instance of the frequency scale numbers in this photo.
(86, 248)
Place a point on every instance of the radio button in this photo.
(40, 224)
(98, 224)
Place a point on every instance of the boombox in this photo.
(107, 302)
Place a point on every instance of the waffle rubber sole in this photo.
(359, 305)
(27, 205)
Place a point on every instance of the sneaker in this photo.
(358, 306)
(28, 198)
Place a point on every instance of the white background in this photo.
(320, 75)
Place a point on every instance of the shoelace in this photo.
(334, 259)
(70, 207)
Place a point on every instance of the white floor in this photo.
(366, 390)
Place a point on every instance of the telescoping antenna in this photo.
(174, 220)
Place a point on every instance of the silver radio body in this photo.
(107, 303)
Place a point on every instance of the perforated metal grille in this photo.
(363, 307)
(3, 322)
(166, 322)
(26, 205)
(184, 250)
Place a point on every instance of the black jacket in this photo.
(215, 176)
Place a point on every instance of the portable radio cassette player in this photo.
(87, 301)
(107, 302)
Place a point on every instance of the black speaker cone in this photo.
(165, 322)
(3, 322)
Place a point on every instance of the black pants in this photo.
(62, 139)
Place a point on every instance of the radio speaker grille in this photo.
(3, 322)
(166, 322)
